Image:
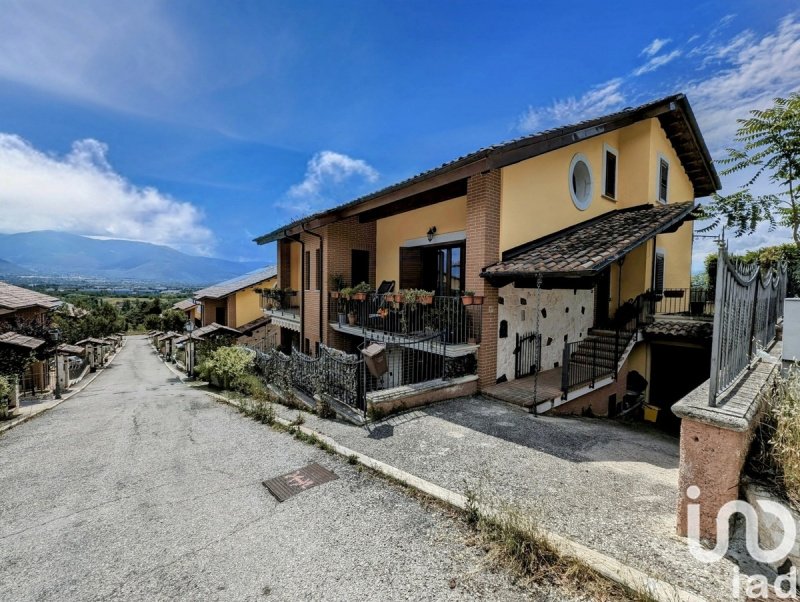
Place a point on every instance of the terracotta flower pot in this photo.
(467, 299)
(399, 298)
(426, 299)
(477, 300)
(334, 294)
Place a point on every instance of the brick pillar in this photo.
(483, 248)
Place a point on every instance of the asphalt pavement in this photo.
(140, 488)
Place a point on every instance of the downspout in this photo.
(296, 238)
(320, 272)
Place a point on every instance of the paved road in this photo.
(141, 488)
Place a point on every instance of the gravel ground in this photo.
(142, 488)
(608, 486)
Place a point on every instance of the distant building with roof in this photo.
(237, 301)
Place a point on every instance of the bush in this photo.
(785, 442)
(250, 384)
(225, 365)
(5, 393)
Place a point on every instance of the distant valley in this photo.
(46, 254)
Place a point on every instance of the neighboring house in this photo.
(21, 304)
(237, 301)
(191, 308)
(571, 238)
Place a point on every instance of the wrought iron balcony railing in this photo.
(390, 315)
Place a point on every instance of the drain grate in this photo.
(292, 483)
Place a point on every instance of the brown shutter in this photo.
(411, 267)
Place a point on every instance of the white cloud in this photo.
(655, 46)
(598, 100)
(656, 62)
(82, 194)
(326, 174)
(127, 56)
(753, 75)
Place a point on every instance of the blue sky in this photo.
(203, 124)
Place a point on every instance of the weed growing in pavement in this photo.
(300, 419)
(352, 459)
(513, 541)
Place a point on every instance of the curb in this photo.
(85, 383)
(608, 567)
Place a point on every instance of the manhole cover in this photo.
(285, 486)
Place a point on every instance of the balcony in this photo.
(696, 303)
(452, 327)
(277, 304)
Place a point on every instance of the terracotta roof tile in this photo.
(684, 329)
(588, 247)
(16, 297)
(19, 340)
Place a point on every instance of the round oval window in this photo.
(580, 182)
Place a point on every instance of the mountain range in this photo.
(47, 253)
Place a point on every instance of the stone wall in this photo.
(563, 313)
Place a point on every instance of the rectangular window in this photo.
(658, 273)
(307, 271)
(359, 267)
(663, 180)
(318, 257)
(610, 173)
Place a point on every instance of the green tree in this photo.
(769, 142)
(174, 320)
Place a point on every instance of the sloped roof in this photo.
(680, 329)
(15, 297)
(184, 305)
(20, 340)
(215, 328)
(72, 349)
(254, 325)
(223, 289)
(91, 340)
(674, 113)
(589, 247)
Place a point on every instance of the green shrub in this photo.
(5, 392)
(251, 385)
(226, 364)
(785, 442)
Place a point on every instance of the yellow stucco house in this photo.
(572, 240)
(236, 303)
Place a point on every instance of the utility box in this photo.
(375, 359)
(791, 330)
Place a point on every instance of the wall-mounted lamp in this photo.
(431, 233)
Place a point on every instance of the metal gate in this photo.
(528, 354)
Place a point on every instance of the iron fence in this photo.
(694, 302)
(77, 366)
(391, 314)
(749, 303)
(347, 379)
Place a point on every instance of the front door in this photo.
(602, 298)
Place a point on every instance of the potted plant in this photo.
(477, 300)
(468, 297)
(336, 284)
(426, 297)
(351, 318)
(360, 291)
(398, 297)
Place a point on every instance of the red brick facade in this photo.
(483, 248)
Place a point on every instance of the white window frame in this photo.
(582, 205)
(610, 149)
(661, 158)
